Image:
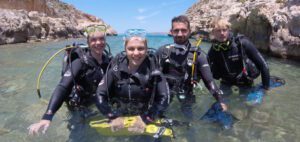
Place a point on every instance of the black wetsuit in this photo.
(130, 94)
(176, 64)
(232, 63)
(85, 74)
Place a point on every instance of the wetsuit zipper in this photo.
(129, 90)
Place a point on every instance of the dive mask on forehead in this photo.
(135, 33)
(95, 28)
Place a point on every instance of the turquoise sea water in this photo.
(277, 119)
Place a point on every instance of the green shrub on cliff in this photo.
(281, 1)
(242, 1)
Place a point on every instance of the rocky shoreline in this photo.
(36, 20)
(273, 25)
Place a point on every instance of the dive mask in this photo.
(135, 33)
(224, 46)
(179, 46)
(95, 28)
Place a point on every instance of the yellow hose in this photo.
(44, 67)
(194, 58)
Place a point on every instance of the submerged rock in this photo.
(4, 131)
(230, 139)
(238, 113)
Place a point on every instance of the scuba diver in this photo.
(234, 59)
(80, 78)
(184, 65)
(133, 85)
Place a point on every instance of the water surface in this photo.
(277, 119)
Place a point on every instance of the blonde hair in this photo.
(220, 23)
(135, 38)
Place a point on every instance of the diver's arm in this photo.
(161, 98)
(101, 97)
(63, 89)
(206, 75)
(258, 60)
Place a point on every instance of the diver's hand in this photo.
(117, 124)
(266, 91)
(33, 129)
(224, 106)
(138, 126)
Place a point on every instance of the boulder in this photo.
(272, 25)
(34, 20)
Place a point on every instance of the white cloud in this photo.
(145, 13)
(153, 14)
(141, 10)
(143, 22)
(166, 5)
(141, 18)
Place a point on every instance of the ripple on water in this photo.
(11, 87)
(239, 113)
(230, 139)
(58, 130)
(252, 133)
(273, 136)
(4, 117)
(260, 116)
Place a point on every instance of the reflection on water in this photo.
(277, 119)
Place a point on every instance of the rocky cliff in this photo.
(273, 25)
(31, 20)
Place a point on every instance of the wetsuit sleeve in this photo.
(102, 96)
(63, 89)
(205, 73)
(213, 64)
(162, 97)
(254, 55)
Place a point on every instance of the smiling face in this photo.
(136, 49)
(180, 32)
(97, 42)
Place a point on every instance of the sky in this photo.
(151, 15)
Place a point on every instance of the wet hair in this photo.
(218, 23)
(181, 19)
